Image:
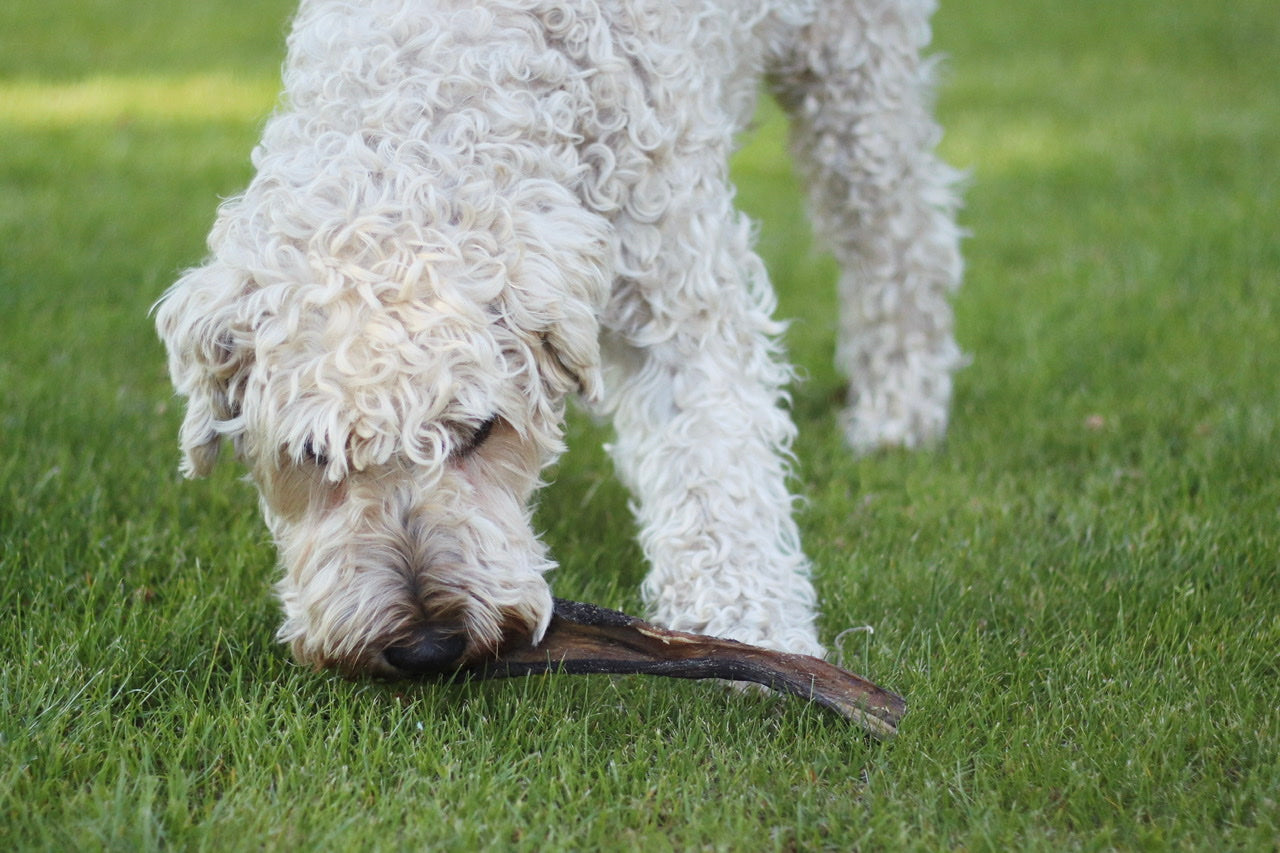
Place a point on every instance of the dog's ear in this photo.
(208, 361)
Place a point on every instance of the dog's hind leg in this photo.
(863, 133)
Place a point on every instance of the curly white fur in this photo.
(465, 213)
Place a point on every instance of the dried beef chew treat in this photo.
(584, 639)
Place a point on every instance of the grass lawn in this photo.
(1079, 594)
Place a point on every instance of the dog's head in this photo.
(395, 393)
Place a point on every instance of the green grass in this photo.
(1079, 594)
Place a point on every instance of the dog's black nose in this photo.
(431, 651)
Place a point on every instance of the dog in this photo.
(466, 213)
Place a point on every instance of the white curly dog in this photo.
(466, 212)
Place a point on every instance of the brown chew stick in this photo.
(584, 639)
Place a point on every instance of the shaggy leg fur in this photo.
(863, 135)
(703, 438)
(702, 441)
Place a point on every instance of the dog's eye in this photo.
(477, 438)
(314, 456)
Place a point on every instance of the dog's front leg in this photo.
(702, 436)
